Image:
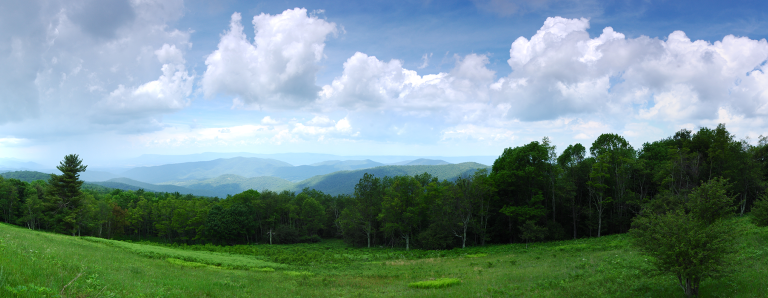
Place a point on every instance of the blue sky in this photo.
(115, 79)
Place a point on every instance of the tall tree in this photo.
(365, 206)
(401, 208)
(520, 177)
(9, 199)
(66, 192)
(569, 161)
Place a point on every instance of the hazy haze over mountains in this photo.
(222, 174)
(295, 159)
(227, 176)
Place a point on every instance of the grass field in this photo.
(39, 264)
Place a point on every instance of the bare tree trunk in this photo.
(407, 241)
(599, 221)
(464, 239)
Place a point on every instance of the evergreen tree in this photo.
(65, 193)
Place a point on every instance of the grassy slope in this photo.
(581, 268)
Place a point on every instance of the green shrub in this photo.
(760, 211)
(285, 234)
(435, 284)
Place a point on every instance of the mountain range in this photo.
(338, 182)
(230, 175)
(296, 159)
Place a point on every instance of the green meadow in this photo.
(41, 264)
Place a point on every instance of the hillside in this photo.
(345, 165)
(421, 162)
(337, 182)
(41, 264)
(340, 182)
(292, 158)
(91, 175)
(344, 182)
(242, 166)
(26, 176)
(129, 184)
(234, 184)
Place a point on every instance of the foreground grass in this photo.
(38, 264)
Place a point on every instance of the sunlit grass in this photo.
(39, 264)
(435, 284)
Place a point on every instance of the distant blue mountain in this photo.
(295, 159)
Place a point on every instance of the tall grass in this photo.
(435, 283)
(39, 264)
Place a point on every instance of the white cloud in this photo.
(9, 141)
(470, 132)
(270, 132)
(170, 54)
(166, 94)
(322, 121)
(323, 126)
(565, 72)
(268, 121)
(369, 84)
(90, 66)
(277, 70)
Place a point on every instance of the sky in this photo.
(114, 79)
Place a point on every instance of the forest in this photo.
(530, 194)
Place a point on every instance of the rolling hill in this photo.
(291, 158)
(344, 182)
(30, 176)
(299, 173)
(26, 176)
(233, 184)
(340, 182)
(242, 166)
(421, 162)
(247, 167)
(130, 184)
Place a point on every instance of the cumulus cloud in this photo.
(368, 83)
(564, 79)
(561, 71)
(93, 64)
(167, 93)
(278, 69)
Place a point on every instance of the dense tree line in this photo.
(529, 194)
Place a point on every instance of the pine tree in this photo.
(65, 193)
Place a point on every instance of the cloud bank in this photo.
(92, 67)
(112, 65)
